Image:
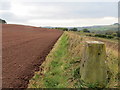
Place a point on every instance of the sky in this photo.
(59, 13)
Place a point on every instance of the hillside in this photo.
(96, 28)
(113, 27)
(61, 68)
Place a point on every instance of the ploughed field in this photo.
(24, 48)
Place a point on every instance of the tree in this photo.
(65, 29)
(110, 36)
(74, 29)
(86, 30)
(118, 33)
(3, 21)
(100, 35)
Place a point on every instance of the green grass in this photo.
(105, 28)
(61, 68)
(114, 40)
(54, 77)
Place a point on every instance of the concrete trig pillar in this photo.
(93, 67)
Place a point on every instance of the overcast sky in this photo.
(66, 13)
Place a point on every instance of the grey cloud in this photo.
(5, 5)
(10, 17)
(76, 10)
(90, 10)
(64, 10)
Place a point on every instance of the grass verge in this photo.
(61, 68)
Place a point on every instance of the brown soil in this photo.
(24, 48)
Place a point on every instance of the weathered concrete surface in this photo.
(93, 68)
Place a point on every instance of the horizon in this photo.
(58, 26)
(82, 26)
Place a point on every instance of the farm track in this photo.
(24, 48)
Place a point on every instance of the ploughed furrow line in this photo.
(24, 48)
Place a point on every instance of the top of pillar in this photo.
(94, 42)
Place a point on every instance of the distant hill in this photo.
(3, 21)
(102, 27)
(47, 27)
(97, 28)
